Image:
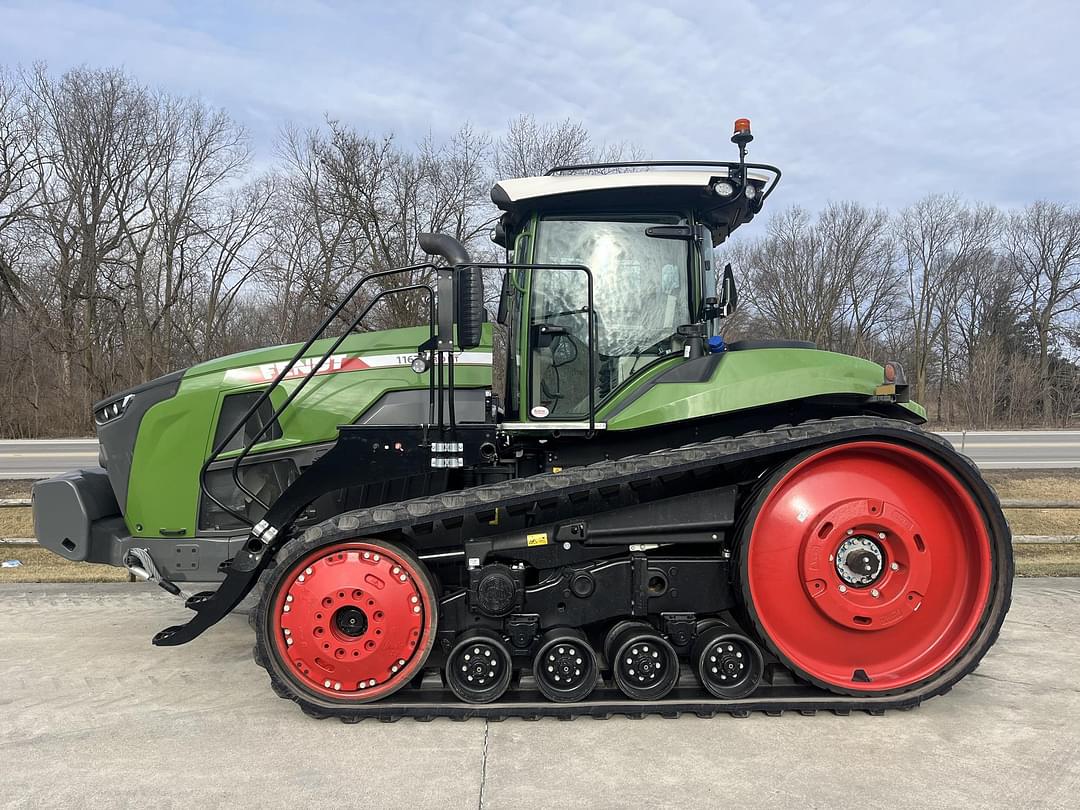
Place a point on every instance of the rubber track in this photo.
(430, 515)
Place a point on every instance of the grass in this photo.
(1058, 485)
(1047, 560)
(17, 522)
(1039, 485)
(39, 565)
(15, 488)
(1044, 521)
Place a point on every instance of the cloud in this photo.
(881, 102)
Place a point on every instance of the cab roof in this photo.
(632, 191)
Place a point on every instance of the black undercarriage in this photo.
(647, 546)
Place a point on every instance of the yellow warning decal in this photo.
(539, 539)
(556, 469)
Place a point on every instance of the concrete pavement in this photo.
(91, 715)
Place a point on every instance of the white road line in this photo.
(1020, 445)
(48, 455)
(31, 473)
(1011, 464)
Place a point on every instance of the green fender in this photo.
(748, 378)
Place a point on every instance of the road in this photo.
(40, 458)
(91, 715)
(1028, 449)
(990, 450)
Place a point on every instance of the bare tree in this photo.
(830, 280)
(529, 147)
(135, 238)
(1043, 246)
(17, 168)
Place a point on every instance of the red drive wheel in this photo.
(352, 621)
(868, 567)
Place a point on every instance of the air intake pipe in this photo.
(468, 286)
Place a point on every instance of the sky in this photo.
(881, 102)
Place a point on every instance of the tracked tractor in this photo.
(638, 518)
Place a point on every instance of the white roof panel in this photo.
(528, 188)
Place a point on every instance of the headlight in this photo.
(722, 188)
(112, 410)
(750, 191)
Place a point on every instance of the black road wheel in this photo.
(728, 663)
(565, 667)
(644, 664)
(478, 668)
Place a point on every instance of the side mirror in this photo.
(504, 298)
(729, 295)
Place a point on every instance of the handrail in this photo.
(310, 375)
(283, 373)
(437, 369)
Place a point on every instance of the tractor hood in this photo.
(156, 436)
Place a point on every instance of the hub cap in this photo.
(868, 567)
(859, 561)
(354, 620)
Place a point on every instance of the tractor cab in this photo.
(612, 271)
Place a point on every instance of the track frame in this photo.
(446, 519)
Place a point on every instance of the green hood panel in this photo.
(747, 378)
(176, 435)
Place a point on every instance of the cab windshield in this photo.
(641, 295)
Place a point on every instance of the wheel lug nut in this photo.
(875, 593)
(894, 566)
(851, 531)
(843, 589)
(881, 535)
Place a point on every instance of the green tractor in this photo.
(638, 518)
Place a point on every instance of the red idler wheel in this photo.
(868, 567)
(353, 621)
